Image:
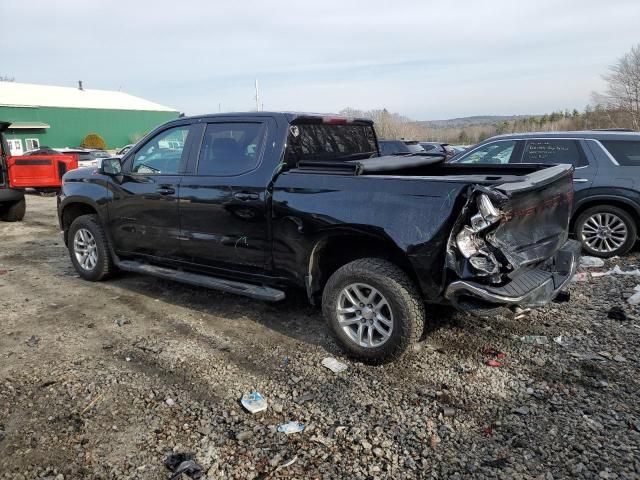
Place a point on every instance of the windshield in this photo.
(323, 142)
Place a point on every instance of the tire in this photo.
(14, 212)
(404, 307)
(98, 267)
(611, 216)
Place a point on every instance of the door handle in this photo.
(580, 180)
(165, 190)
(245, 196)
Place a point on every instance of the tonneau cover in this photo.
(395, 162)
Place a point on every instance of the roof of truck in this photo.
(287, 116)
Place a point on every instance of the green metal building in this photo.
(58, 117)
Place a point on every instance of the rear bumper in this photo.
(533, 288)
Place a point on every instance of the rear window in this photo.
(552, 151)
(322, 142)
(626, 153)
(414, 148)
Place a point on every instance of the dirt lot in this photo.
(103, 380)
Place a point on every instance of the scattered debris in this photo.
(91, 404)
(307, 397)
(286, 464)
(535, 339)
(580, 277)
(635, 298)
(588, 262)
(122, 321)
(183, 463)
(493, 363)
(434, 440)
(619, 358)
(285, 362)
(254, 402)
(616, 271)
(170, 401)
(563, 297)
(617, 313)
(3, 435)
(521, 410)
(334, 365)
(4, 272)
(559, 340)
(487, 431)
(33, 341)
(291, 427)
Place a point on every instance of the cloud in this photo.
(422, 58)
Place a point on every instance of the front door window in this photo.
(163, 154)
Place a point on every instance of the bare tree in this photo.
(623, 86)
(4, 78)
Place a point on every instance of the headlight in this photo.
(487, 214)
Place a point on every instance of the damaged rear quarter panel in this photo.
(410, 214)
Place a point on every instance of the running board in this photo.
(229, 286)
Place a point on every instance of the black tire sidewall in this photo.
(624, 216)
(89, 222)
(400, 336)
(14, 212)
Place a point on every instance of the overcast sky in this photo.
(425, 59)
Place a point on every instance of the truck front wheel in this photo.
(13, 212)
(373, 309)
(89, 250)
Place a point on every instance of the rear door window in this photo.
(626, 153)
(553, 151)
(230, 148)
(494, 153)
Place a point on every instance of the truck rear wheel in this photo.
(373, 309)
(14, 212)
(89, 250)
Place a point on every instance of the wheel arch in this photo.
(333, 251)
(614, 201)
(72, 210)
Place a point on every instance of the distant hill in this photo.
(469, 121)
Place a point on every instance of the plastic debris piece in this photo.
(635, 298)
(616, 271)
(33, 341)
(170, 401)
(183, 463)
(617, 313)
(493, 363)
(589, 262)
(521, 410)
(493, 352)
(487, 431)
(286, 464)
(254, 402)
(334, 365)
(535, 339)
(291, 427)
(580, 277)
(559, 340)
(562, 297)
(307, 397)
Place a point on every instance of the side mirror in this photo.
(110, 166)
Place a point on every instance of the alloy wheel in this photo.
(604, 232)
(364, 314)
(85, 249)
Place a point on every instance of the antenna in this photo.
(257, 96)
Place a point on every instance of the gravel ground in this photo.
(106, 380)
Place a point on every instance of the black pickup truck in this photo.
(258, 203)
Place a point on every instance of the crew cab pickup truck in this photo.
(259, 203)
(42, 172)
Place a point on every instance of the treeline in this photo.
(395, 126)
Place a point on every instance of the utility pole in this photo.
(257, 97)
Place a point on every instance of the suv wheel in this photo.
(89, 249)
(373, 309)
(14, 212)
(606, 231)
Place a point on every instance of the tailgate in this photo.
(509, 226)
(39, 171)
(536, 214)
